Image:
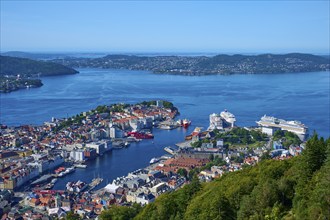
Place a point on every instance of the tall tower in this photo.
(57, 201)
(110, 122)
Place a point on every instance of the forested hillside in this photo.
(297, 188)
(203, 65)
(27, 67)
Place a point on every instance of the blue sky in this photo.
(166, 26)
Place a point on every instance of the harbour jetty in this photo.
(95, 182)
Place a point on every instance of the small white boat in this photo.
(80, 165)
(154, 160)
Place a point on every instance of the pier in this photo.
(95, 182)
(184, 144)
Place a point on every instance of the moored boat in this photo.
(228, 117)
(42, 179)
(186, 123)
(154, 160)
(77, 186)
(67, 171)
(140, 135)
(169, 150)
(269, 124)
(197, 131)
(215, 122)
(80, 165)
(49, 186)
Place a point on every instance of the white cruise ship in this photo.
(228, 117)
(215, 122)
(294, 126)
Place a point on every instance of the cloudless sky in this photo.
(165, 26)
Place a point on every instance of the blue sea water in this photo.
(296, 96)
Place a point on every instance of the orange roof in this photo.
(133, 117)
(34, 200)
(99, 206)
(123, 120)
(172, 182)
(45, 200)
(82, 200)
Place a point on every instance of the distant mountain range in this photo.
(182, 65)
(204, 65)
(51, 56)
(27, 67)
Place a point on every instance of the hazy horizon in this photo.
(191, 53)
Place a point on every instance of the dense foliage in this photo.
(236, 136)
(268, 63)
(242, 136)
(120, 212)
(297, 188)
(72, 216)
(27, 67)
(166, 104)
(214, 161)
(287, 138)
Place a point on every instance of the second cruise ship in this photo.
(228, 117)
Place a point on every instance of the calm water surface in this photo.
(303, 97)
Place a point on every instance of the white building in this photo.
(77, 155)
(45, 164)
(111, 188)
(145, 199)
(116, 133)
(26, 174)
(220, 143)
(136, 124)
(269, 130)
(160, 103)
(159, 188)
(101, 146)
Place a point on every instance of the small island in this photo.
(18, 73)
(8, 84)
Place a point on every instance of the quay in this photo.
(184, 144)
(95, 182)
